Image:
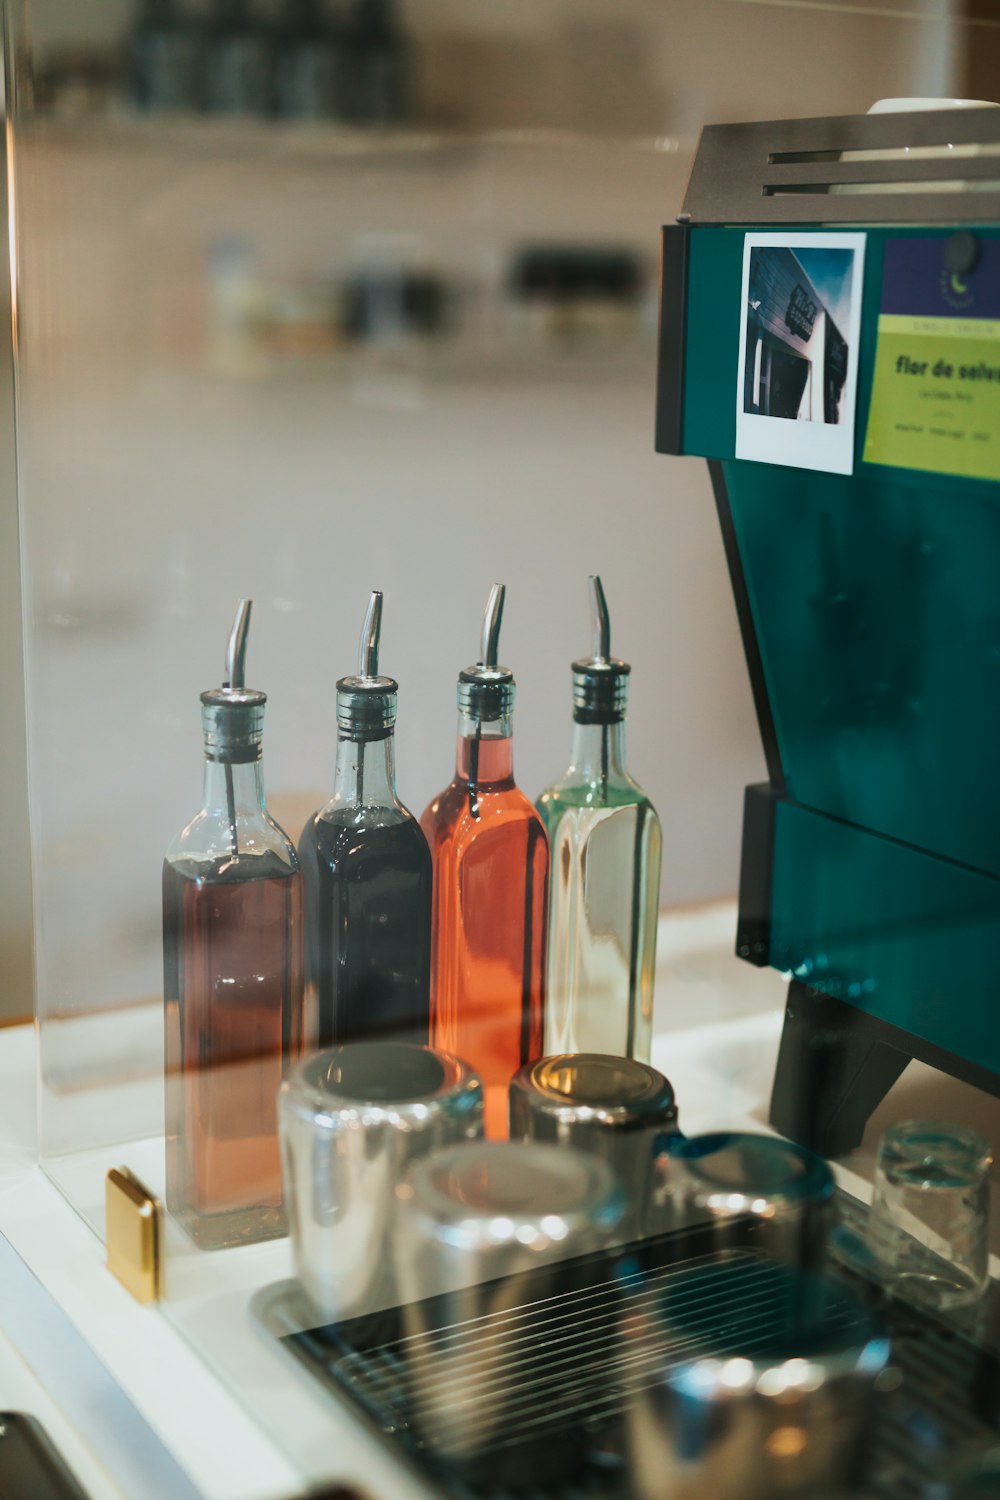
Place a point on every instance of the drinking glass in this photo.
(929, 1216)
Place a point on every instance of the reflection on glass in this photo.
(486, 1235)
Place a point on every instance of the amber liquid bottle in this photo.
(491, 877)
(232, 980)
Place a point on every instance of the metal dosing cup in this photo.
(498, 1351)
(616, 1108)
(764, 1385)
(742, 1188)
(352, 1120)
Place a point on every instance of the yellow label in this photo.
(936, 396)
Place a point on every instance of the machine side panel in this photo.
(753, 930)
(875, 617)
(674, 245)
(712, 342)
(891, 930)
(748, 628)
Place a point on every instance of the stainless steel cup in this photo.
(764, 1385)
(613, 1107)
(352, 1119)
(742, 1187)
(505, 1334)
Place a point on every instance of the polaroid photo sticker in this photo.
(800, 326)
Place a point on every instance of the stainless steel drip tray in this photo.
(537, 1386)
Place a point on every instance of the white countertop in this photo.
(121, 1387)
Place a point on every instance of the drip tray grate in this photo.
(539, 1390)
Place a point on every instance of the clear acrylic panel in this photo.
(296, 359)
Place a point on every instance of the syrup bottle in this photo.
(165, 58)
(377, 63)
(308, 64)
(491, 876)
(606, 844)
(232, 979)
(367, 873)
(237, 60)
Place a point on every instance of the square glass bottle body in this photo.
(491, 874)
(367, 874)
(232, 949)
(606, 849)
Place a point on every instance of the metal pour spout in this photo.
(491, 625)
(600, 681)
(600, 620)
(236, 650)
(371, 633)
(232, 716)
(486, 690)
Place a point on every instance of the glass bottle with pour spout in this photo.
(606, 847)
(232, 978)
(491, 873)
(237, 60)
(367, 873)
(308, 65)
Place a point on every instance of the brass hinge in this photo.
(133, 1234)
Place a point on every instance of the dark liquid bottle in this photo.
(237, 61)
(367, 873)
(307, 72)
(376, 72)
(491, 882)
(232, 978)
(165, 57)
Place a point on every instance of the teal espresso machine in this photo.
(830, 342)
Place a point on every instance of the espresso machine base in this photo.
(837, 1063)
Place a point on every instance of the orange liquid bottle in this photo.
(491, 881)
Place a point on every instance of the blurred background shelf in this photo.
(320, 141)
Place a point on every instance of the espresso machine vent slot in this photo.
(850, 169)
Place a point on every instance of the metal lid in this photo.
(600, 682)
(732, 1172)
(232, 716)
(366, 704)
(487, 1194)
(485, 690)
(614, 1092)
(371, 1082)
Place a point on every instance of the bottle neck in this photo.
(485, 750)
(234, 788)
(365, 774)
(598, 752)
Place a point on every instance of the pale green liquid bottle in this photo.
(605, 873)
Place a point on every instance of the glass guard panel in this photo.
(303, 313)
